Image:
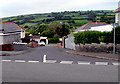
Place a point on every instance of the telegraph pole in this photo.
(114, 46)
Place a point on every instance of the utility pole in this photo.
(114, 39)
(114, 44)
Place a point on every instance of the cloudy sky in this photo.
(19, 7)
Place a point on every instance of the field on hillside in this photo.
(74, 18)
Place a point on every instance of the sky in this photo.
(21, 7)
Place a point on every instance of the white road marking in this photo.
(101, 63)
(19, 60)
(44, 58)
(63, 62)
(34, 61)
(116, 63)
(6, 60)
(83, 62)
(50, 61)
(66, 62)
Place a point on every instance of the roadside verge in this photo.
(106, 56)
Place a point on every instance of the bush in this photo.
(88, 37)
(55, 39)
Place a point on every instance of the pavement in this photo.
(99, 55)
(9, 53)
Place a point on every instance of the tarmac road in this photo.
(53, 53)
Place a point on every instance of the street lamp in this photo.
(114, 46)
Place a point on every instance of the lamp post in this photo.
(114, 44)
(114, 39)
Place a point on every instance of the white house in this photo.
(102, 28)
(117, 17)
(95, 26)
(10, 32)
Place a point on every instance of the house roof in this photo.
(33, 37)
(9, 27)
(117, 10)
(88, 26)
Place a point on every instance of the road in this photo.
(59, 67)
(46, 72)
(53, 53)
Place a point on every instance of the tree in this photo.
(47, 33)
(41, 28)
(59, 28)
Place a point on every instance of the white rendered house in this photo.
(10, 32)
(117, 16)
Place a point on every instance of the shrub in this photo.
(88, 37)
(55, 39)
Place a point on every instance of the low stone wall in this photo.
(97, 47)
(19, 47)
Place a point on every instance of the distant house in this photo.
(117, 17)
(97, 26)
(37, 38)
(10, 32)
(34, 37)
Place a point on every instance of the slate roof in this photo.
(9, 27)
(88, 26)
(117, 10)
(33, 37)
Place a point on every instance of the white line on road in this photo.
(6, 60)
(101, 63)
(44, 58)
(66, 62)
(34, 61)
(50, 61)
(19, 60)
(83, 62)
(116, 63)
(63, 62)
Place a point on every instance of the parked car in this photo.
(42, 43)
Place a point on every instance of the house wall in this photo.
(117, 18)
(22, 34)
(69, 43)
(9, 38)
(102, 28)
(1, 39)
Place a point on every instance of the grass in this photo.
(79, 19)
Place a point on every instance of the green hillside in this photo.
(74, 18)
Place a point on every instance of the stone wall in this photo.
(97, 47)
(19, 47)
